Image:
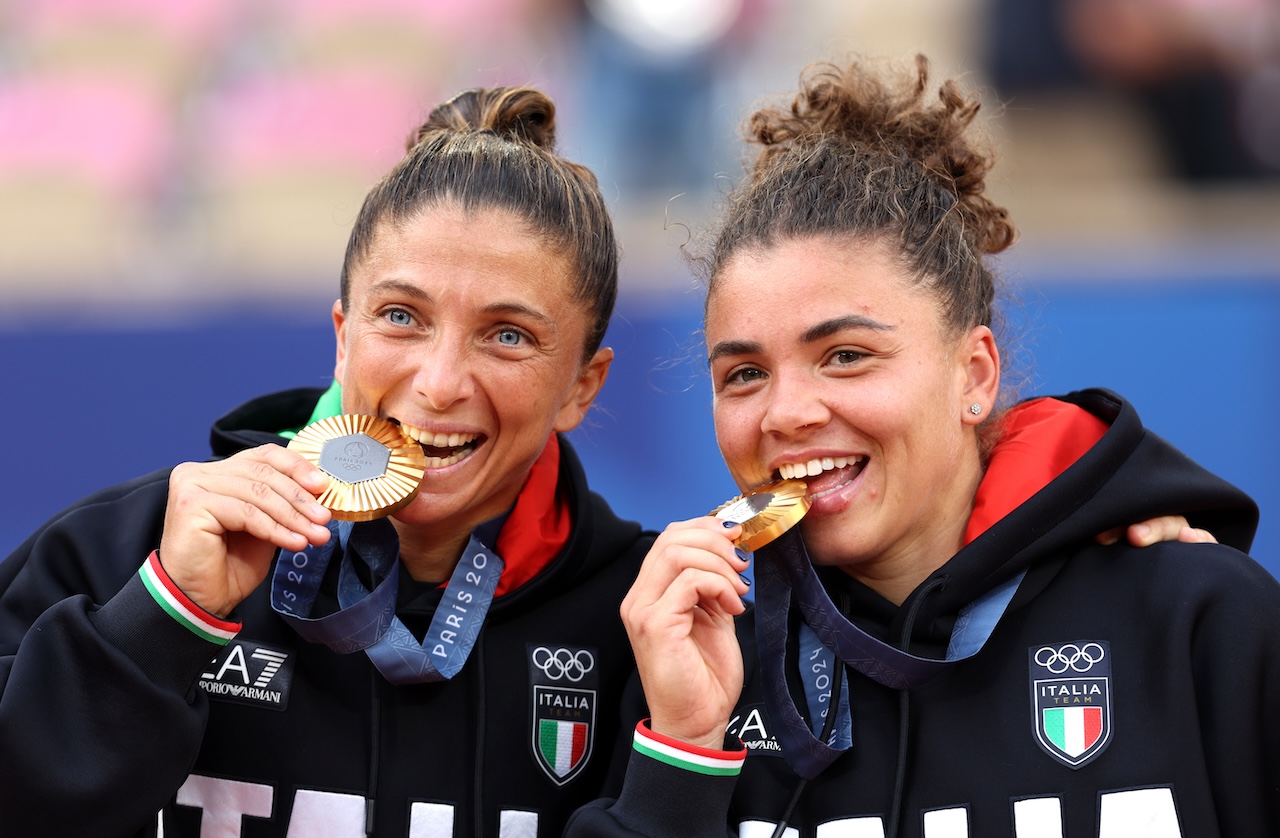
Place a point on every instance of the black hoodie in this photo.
(1153, 714)
(111, 710)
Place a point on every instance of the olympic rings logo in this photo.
(1069, 656)
(563, 664)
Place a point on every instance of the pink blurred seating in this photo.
(115, 135)
(342, 118)
(472, 20)
(191, 23)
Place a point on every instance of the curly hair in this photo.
(865, 154)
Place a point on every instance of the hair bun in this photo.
(518, 113)
(888, 114)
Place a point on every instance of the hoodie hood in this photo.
(265, 419)
(1110, 472)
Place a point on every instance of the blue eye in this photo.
(399, 317)
(509, 337)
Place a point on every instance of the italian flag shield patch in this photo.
(563, 744)
(563, 730)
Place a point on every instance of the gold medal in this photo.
(766, 512)
(374, 469)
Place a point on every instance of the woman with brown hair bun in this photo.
(940, 646)
(448, 670)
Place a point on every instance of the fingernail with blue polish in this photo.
(729, 524)
(742, 554)
(745, 580)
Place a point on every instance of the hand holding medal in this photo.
(680, 612)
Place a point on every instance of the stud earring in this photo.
(975, 408)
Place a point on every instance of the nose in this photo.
(444, 375)
(794, 402)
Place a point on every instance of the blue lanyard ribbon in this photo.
(818, 673)
(367, 619)
(783, 574)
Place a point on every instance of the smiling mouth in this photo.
(824, 474)
(443, 450)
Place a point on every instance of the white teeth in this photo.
(437, 440)
(441, 462)
(792, 471)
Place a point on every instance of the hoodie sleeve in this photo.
(671, 789)
(1234, 632)
(100, 714)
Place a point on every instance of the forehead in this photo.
(797, 283)
(446, 250)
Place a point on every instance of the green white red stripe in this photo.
(689, 757)
(181, 608)
(1073, 729)
(562, 743)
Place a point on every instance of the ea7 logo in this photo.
(250, 673)
(748, 724)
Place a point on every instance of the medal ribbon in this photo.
(818, 672)
(367, 619)
(783, 568)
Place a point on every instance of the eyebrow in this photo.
(520, 308)
(398, 286)
(817, 332)
(827, 328)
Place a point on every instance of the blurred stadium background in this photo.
(177, 180)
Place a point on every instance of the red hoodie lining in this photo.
(539, 523)
(1040, 439)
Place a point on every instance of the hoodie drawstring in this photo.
(827, 726)
(904, 711)
(375, 735)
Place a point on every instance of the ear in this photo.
(584, 390)
(340, 338)
(979, 374)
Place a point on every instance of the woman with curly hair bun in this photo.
(940, 646)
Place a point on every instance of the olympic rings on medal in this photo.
(1069, 656)
(563, 663)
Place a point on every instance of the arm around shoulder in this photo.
(1235, 650)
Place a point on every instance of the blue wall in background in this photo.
(89, 408)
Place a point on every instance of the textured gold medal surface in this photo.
(374, 469)
(766, 512)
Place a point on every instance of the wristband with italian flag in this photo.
(179, 606)
(689, 757)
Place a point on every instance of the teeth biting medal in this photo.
(374, 469)
(765, 512)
